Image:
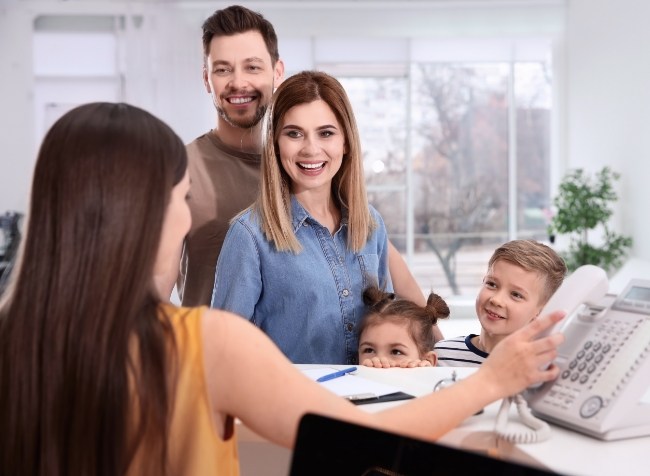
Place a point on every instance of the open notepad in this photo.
(357, 389)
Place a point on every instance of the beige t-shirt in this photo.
(224, 182)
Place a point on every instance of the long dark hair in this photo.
(83, 347)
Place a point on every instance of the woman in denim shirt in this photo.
(297, 261)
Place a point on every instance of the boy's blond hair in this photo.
(531, 255)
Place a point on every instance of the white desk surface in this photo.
(566, 452)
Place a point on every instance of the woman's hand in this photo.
(522, 357)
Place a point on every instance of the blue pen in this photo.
(339, 373)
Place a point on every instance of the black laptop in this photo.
(326, 446)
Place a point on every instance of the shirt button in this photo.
(346, 293)
(304, 223)
(349, 327)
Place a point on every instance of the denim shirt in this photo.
(309, 304)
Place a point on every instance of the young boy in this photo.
(522, 275)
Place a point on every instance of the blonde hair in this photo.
(348, 188)
(534, 256)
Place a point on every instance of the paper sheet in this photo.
(350, 384)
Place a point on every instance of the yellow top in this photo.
(195, 447)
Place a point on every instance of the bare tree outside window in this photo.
(461, 164)
(380, 107)
(458, 154)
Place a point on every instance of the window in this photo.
(457, 161)
(380, 105)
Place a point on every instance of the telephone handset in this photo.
(602, 389)
(586, 286)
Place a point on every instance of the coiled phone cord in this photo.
(538, 430)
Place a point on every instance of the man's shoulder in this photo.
(208, 148)
(201, 146)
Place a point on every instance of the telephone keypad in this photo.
(593, 360)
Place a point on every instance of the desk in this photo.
(566, 452)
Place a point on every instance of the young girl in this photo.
(398, 332)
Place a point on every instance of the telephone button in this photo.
(575, 376)
(584, 379)
(581, 354)
(589, 356)
(606, 348)
(566, 374)
(597, 346)
(572, 364)
(591, 368)
(587, 344)
(582, 366)
(591, 406)
(599, 358)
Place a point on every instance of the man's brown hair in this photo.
(237, 19)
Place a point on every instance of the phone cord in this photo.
(537, 431)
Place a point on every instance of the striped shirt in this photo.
(459, 352)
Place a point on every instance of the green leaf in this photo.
(584, 203)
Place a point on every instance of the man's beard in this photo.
(243, 123)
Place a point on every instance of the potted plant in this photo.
(583, 203)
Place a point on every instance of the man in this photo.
(241, 69)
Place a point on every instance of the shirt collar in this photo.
(299, 215)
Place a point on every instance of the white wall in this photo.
(604, 101)
(16, 113)
(608, 98)
(161, 57)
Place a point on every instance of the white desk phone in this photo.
(604, 361)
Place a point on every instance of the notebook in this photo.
(357, 389)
